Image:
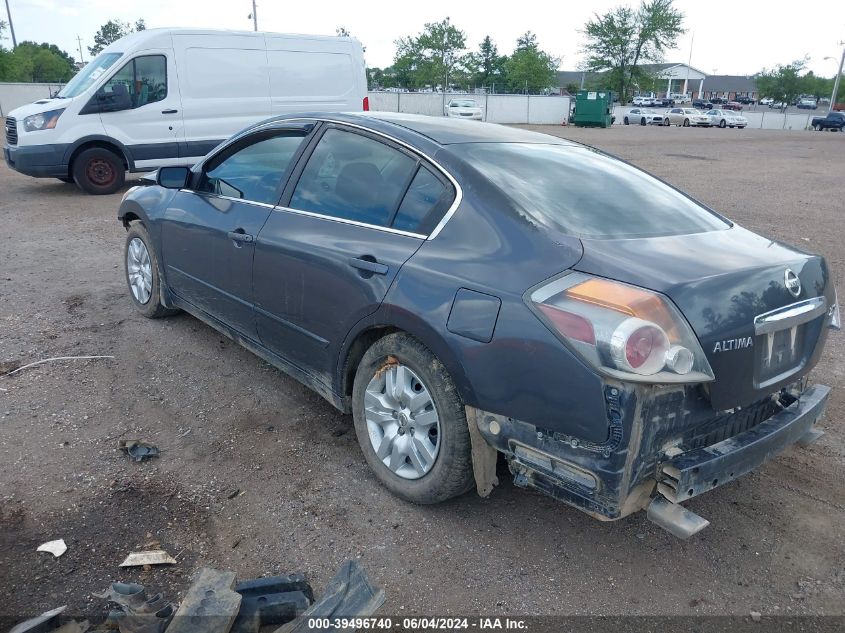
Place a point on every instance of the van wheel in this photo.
(410, 421)
(98, 171)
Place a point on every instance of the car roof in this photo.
(439, 130)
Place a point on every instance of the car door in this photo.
(354, 213)
(208, 232)
(140, 106)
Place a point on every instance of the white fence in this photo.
(765, 120)
(533, 109)
(15, 95)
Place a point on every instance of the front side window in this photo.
(141, 81)
(353, 177)
(254, 172)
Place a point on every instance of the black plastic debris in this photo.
(348, 595)
(138, 450)
(271, 601)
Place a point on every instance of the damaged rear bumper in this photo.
(666, 440)
(689, 474)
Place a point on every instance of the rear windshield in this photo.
(579, 191)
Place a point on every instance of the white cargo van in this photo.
(168, 96)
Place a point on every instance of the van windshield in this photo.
(88, 75)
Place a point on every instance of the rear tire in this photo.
(450, 474)
(686, 122)
(151, 308)
(722, 123)
(642, 121)
(666, 122)
(98, 171)
(626, 120)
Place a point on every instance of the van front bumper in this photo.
(41, 161)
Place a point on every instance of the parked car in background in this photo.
(702, 104)
(680, 98)
(732, 105)
(778, 105)
(687, 117)
(468, 290)
(718, 100)
(767, 101)
(168, 96)
(831, 121)
(664, 102)
(464, 109)
(745, 100)
(643, 101)
(807, 104)
(726, 118)
(645, 116)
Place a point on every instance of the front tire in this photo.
(98, 171)
(642, 121)
(686, 122)
(410, 421)
(143, 278)
(626, 120)
(722, 124)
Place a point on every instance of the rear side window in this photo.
(353, 177)
(253, 172)
(424, 203)
(581, 192)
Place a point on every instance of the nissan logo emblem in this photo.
(792, 283)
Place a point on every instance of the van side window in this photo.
(254, 172)
(141, 81)
(353, 177)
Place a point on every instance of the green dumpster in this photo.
(593, 108)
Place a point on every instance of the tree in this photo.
(486, 66)
(622, 39)
(31, 62)
(431, 57)
(782, 83)
(529, 68)
(112, 31)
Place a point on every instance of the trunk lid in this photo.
(722, 281)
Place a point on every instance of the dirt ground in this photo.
(261, 476)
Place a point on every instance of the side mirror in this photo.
(173, 177)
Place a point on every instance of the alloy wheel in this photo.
(139, 270)
(402, 421)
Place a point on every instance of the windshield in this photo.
(463, 103)
(88, 75)
(581, 192)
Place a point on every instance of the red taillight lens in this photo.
(366, 104)
(568, 324)
(639, 346)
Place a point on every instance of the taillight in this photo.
(624, 331)
(366, 104)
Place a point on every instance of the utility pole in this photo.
(254, 16)
(835, 81)
(81, 58)
(11, 26)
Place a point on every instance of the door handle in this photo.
(169, 111)
(239, 236)
(368, 263)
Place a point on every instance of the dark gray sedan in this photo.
(466, 290)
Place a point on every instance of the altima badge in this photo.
(792, 283)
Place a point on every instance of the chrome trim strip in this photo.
(790, 316)
(208, 194)
(459, 193)
(376, 227)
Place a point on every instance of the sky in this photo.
(756, 35)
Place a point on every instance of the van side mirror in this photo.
(173, 177)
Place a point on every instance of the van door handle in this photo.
(169, 111)
(239, 236)
(368, 263)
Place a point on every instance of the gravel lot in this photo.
(305, 499)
